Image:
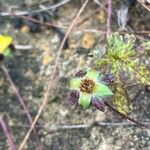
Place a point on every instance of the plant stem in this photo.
(16, 91)
(52, 76)
(7, 134)
(126, 117)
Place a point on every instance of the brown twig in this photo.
(16, 91)
(7, 134)
(40, 22)
(126, 117)
(52, 128)
(49, 24)
(45, 98)
(144, 5)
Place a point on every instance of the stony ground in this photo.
(31, 68)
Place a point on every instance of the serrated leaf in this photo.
(121, 102)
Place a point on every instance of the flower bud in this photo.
(81, 73)
(73, 97)
(108, 78)
(98, 103)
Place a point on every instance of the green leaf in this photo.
(102, 90)
(121, 104)
(8, 53)
(103, 61)
(120, 100)
(84, 100)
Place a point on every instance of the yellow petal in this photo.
(5, 41)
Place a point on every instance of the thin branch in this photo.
(144, 5)
(23, 47)
(52, 77)
(56, 127)
(126, 117)
(40, 22)
(77, 30)
(16, 91)
(36, 11)
(7, 134)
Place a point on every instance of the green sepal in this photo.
(8, 53)
(84, 100)
(92, 74)
(102, 90)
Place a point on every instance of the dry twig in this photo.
(7, 134)
(16, 91)
(45, 98)
(144, 5)
(125, 116)
(53, 128)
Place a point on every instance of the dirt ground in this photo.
(30, 70)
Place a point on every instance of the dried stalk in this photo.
(7, 134)
(50, 83)
(125, 116)
(16, 91)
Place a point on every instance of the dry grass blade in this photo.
(144, 5)
(36, 11)
(7, 134)
(140, 124)
(16, 91)
(45, 98)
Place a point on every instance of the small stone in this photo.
(25, 29)
(47, 59)
(88, 41)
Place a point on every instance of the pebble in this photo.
(88, 40)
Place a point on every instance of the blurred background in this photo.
(37, 45)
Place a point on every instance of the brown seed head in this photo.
(87, 86)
